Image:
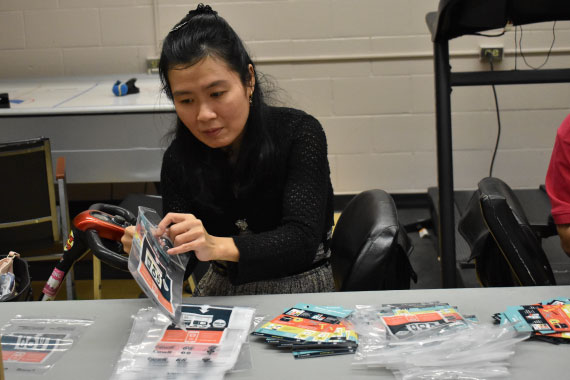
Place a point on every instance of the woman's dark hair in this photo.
(203, 33)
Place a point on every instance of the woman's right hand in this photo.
(127, 238)
(189, 234)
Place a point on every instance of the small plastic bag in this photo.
(159, 274)
(7, 277)
(438, 343)
(454, 372)
(214, 342)
(34, 345)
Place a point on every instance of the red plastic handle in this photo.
(101, 222)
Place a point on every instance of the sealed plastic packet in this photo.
(34, 345)
(437, 343)
(159, 274)
(212, 344)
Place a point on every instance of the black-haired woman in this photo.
(246, 186)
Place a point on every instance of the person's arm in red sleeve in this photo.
(558, 183)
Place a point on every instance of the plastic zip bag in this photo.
(159, 274)
(443, 350)
(34, 345)
(455, 373)
(213, 343)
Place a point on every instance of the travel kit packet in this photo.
(33, 345)
(159, 274)
(432, 340)
(214, 342)
(311, 331)
(548, 320)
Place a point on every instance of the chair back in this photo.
(504, 246)
(369, 246)
(28, 216)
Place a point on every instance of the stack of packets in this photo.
(311, 331)
(400, 322)
(548, 320)
(431, 341)
(213, 342)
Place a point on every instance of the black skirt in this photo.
(316, 280)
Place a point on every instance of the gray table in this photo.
(104, 138)
(97, 351)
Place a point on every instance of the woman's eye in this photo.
(185, 101)
(217, 94)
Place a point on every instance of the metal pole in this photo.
(446, 221)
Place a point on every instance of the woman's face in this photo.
(211, 101)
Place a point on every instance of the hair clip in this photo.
(176, 27)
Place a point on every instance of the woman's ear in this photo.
(251, 77)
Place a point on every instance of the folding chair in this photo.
(32, 222)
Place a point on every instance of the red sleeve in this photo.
(558, 175)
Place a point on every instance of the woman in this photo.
(245, 186)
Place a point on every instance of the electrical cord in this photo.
(498, 122)
(516, 48)
(495, 90)
(522, 54)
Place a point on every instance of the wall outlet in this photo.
(495, 53)
(152, 65)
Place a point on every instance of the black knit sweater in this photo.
(288, 217)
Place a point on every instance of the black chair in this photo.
(505, 248)
(32, 222)
(369, 246)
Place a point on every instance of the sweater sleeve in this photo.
(171, 184)
(558, 175)
(172, 190)
(291, 247)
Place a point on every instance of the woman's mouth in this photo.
(212, 132)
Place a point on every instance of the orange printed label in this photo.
(152, 286)
(192, 336)
(23, 356)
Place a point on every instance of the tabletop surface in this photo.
(78, 95)
(98, 349)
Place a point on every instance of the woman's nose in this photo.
(205, 112)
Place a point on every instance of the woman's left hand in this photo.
(189, 234)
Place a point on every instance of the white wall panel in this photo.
(127, 26)
(401, 133)
(12, 34)
(26, 63)
(364, 68)
(372, 95)
(348, 135)
(62, 28)
(76, 61)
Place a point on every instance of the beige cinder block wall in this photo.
(363, 67)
